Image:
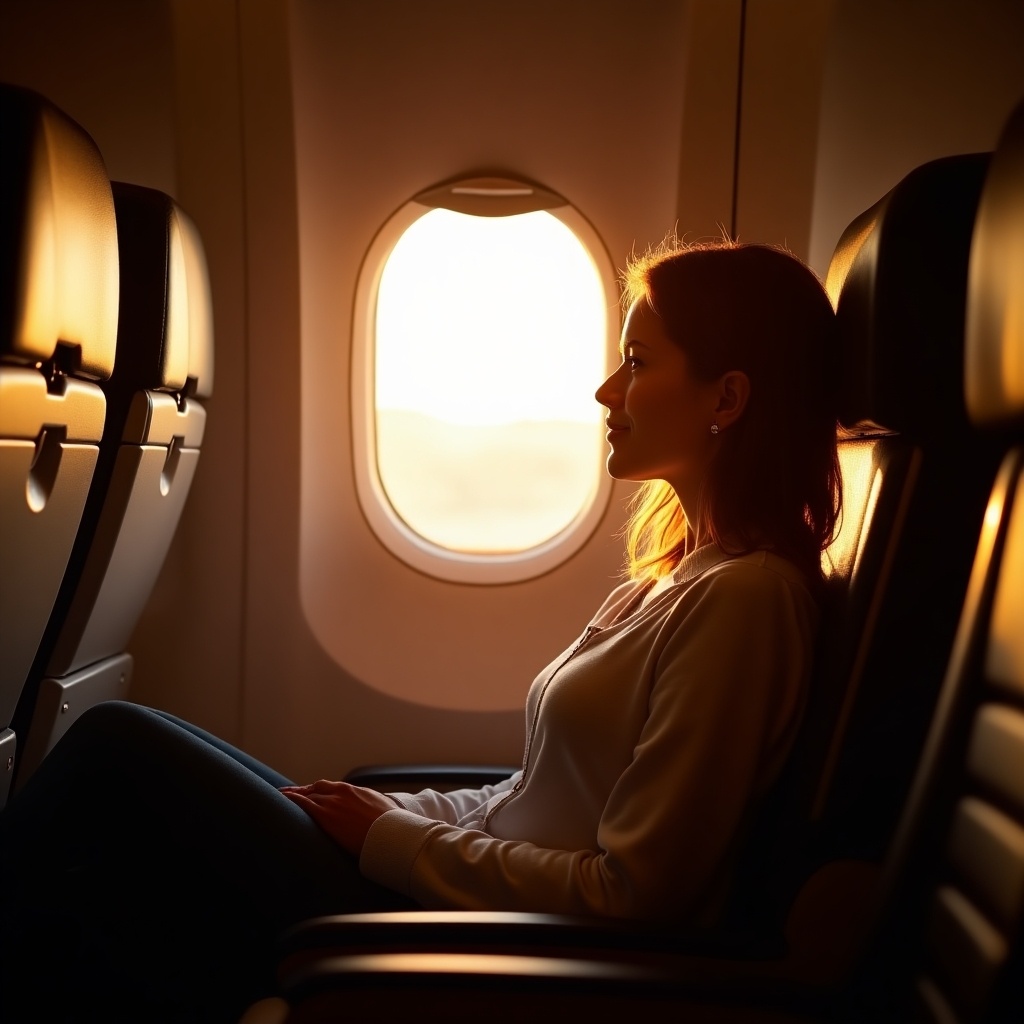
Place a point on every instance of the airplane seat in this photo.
(442, 778)
(58, 327)
(149, 452)
(898, 279)
(955, 885)
(915, 477)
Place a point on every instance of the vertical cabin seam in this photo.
(739, 120)
(243, 633)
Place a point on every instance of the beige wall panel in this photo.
(906, 83)
(388, 103)
(783, 54)
(188, 644)
(708, 137)
(107, 63)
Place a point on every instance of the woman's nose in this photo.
(609, 393)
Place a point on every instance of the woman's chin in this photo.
(618, 469)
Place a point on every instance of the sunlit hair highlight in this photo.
(774, 480)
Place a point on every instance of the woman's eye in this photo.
(632, 362)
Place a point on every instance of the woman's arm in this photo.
(454, 806)
(346, 812)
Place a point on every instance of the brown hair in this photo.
(774, 478)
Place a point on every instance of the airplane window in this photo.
(485, 335)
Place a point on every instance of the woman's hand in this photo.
(345, 812)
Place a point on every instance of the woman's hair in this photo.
(773, 480)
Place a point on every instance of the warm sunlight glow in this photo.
(490, 320)
(490, 341)
(860, 492)
(1005, 656)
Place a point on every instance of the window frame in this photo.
(490, 196)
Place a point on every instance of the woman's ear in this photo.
(733, 393)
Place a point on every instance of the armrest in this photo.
(507, 932)
(824, 936)
(411, 778)
(394, 986)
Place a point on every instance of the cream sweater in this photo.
(647, 742)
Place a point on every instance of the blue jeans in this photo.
(147, 867)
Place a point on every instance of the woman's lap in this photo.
(177, 833)
(141, 784)
(258, 768)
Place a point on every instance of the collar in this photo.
(699, 561)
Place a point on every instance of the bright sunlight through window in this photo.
(490, 339)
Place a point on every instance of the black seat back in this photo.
(899, 282)
(955, 887)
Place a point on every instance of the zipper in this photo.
(585, 636)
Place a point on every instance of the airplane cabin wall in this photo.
(389, 101)
(196, 97)
(110, 65)
(906, 83)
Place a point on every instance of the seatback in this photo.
(898, 279)
(957, 872)
(58, 323)
(150, 449)
(901, 273)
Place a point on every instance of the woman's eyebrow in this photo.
(623, 345)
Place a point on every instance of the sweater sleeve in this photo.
(451, 807)
(725, 697)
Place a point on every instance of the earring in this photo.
(714, 429)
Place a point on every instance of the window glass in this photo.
(490, 337)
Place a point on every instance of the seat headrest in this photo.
(898, 279)
(58, 241)
(165, 336)
(995, 300)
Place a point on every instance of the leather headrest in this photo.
(995, 302)
(165, 337)
(58, 241)
(898, 279)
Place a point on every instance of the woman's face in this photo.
(659, 414)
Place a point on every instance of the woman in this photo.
(649, 741)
